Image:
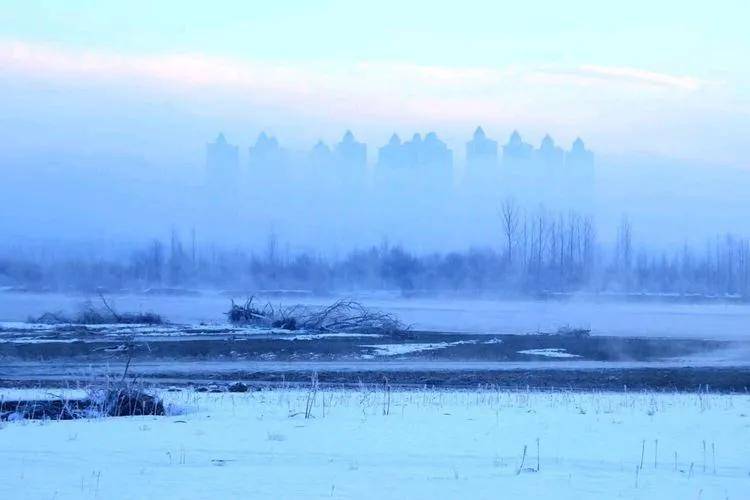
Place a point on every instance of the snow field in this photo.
(376, 443)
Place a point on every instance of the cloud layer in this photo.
(613, 106)
(368, 79)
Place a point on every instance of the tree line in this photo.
(538, 252)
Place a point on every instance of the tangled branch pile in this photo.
(267, 316)
(89, 314)
(344, 315)
(351, 316)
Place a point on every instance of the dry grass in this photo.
(90, 314)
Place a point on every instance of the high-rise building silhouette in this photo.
(549, 155)
(413, 150)
(544, 176)
(579, 177)
(392, 154)
(516, 150)
(266, 152)
(417, 152)
(320, 154)
(435, 153)
(579, 156)
(481, 150)
(222, 158)
(349, 152)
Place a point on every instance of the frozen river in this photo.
(657, 319)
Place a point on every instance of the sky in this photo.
(158, 79)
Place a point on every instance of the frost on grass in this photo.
(418, 443)
(119, 400)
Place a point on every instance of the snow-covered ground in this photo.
(401, 349)
(32, 333)
(549, 353)
(413, 444)
(717, 321)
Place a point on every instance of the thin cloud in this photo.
(374, 93)
(635, 75)
(198, 70)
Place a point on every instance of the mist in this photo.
(275, 249)
(107, 140)
(329, 206)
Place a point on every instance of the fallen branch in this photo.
(344, 315)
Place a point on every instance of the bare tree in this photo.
(541, 231)
(510, 216)
(624, 249)
(589, 237)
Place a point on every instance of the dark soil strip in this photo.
(663, 379)
(472, 347)
(686, 379)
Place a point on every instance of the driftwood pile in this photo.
(342, 316)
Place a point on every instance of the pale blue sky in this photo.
(611, 71)
(704, 39)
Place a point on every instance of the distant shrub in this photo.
(569, 331)
(89, 314)
(121, 400)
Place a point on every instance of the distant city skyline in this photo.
(480, 149)
(422, 166)
(666, 79)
